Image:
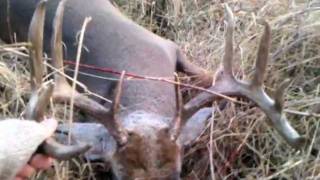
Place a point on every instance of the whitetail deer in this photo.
(152, 126)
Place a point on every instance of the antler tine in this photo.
(262, 55)
(117, 130)
(36, 37)
(278, 97)
(117, 96)
(39, 101)
(57, 51)
(179, 108)
(63, 90)
(228, 49)
(62, 152)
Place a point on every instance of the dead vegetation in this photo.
(238, 143)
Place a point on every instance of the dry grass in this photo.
(242, 145)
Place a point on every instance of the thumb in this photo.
(51, 125)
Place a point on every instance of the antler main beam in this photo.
(63, 90)
(225, 83)
(42, 92)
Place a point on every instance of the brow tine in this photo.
(177, 124)
(117, 97)
(39, 101)
(279, 94)
(62, 152)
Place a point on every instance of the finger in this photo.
(18, 178)
(26, 171)
(51, 125)
(40, 161)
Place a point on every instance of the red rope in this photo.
(103, 69)
(162, 79)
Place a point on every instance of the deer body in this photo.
(111, 41)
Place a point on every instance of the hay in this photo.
(243, 146)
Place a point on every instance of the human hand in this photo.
(38, 161)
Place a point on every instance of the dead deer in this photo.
(150, 128)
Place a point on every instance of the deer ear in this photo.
(194, 126)
(103, 144)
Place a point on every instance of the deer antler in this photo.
(41, 93)
(179, 111)
(63, 90)
(227, 84)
